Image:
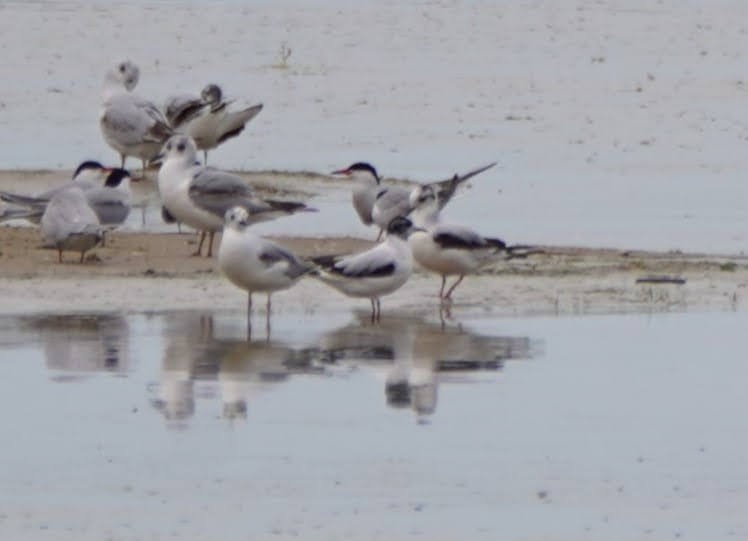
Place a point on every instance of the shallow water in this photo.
(147, 426)
(613, 125)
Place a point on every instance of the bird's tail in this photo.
(521, 251)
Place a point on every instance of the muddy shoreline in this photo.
(154, 271)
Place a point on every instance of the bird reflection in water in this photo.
(232, 368)
(414, 355)
(76, 344)
(418, 355)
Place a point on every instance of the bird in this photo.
(376, 272)
(378, 204)
(199, 196)
(180, 109)
(107, 192)
(256, 264)
(69, 223)
(447, 249)
(88, 174)
(215, 122)
(131, 125)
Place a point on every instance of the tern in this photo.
(379, 204)
(107, 192)
(69, 223)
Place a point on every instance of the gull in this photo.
(199, 196)
(180, 109)
(374, 273)
(448, 249)
(378, 204)
(215, 122)
(107, 192)
(69, 223)
(255, 264)
(131, 125)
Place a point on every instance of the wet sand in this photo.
(155, 271)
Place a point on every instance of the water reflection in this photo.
(203, 360)
(74, 345)
(419, 354)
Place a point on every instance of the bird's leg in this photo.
(59, 256)
(103, 239)
(444, 282)
(122, 158)
(373, 310)
(211, 234)
(249, 315)
(451, 289)
(83, 255)
(200, 245)
(379, 237)
(205, 157)
(379, 308)
(143, 170)
(267, 317)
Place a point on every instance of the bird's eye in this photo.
(122, 68)
(181, 147)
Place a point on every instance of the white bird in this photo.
(131, 125)
(214, 122)
(374, 273)
(379, 204)
(69, 223)
(199, 196)
(180, 109)
(447, 249)
(255, 264)
(107, 191)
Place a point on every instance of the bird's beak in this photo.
(341, 172)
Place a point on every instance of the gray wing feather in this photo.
(272, 254)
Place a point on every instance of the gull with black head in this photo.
(372, 274)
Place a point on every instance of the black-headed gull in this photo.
(256, 264)
(208, 119)
(447, 249)
(69, 223)
(199, 196)
(374, 273)
(379, 204)
(131, 125)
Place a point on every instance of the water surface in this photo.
(172, 424)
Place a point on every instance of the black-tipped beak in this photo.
(341, 172)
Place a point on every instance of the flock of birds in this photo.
(75, 215)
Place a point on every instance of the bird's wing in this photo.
(445, 189)
(375, 262)
(135, 121)
(182, 108)
(462, 238)
(233, 122)
(271, 254)
(217, 191)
